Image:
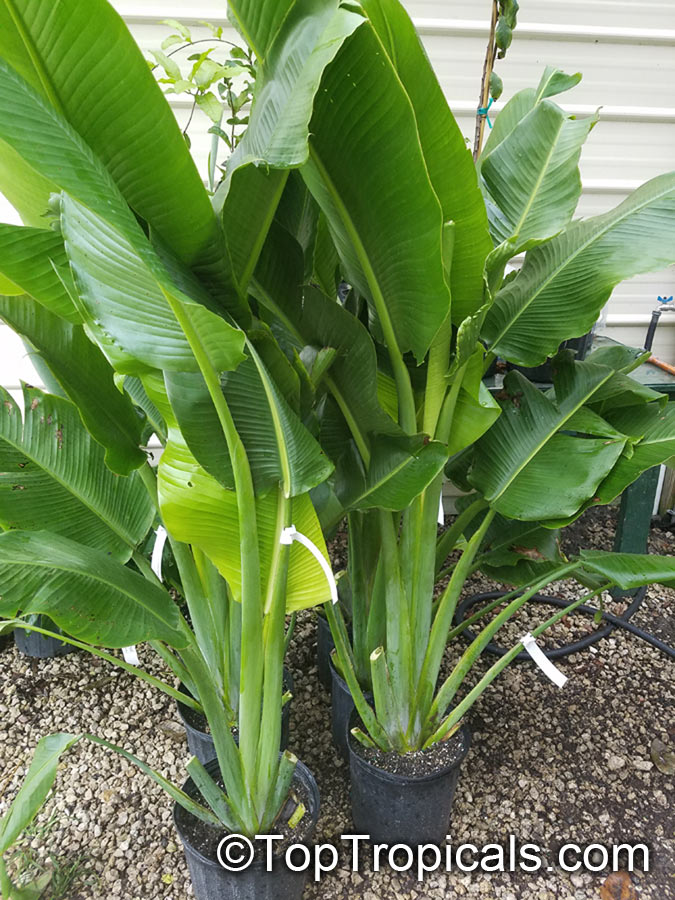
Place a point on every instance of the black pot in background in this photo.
(404, 809)
(324, 647)
(200, 741)
(40, 646)
(342, 707)
(6, 640)
(543, 374)
(210, 881)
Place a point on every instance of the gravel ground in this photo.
(547, 766)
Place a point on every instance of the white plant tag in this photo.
(129, 653)
(543, 661)
(441, 511)
(157, 550)
(290, 534)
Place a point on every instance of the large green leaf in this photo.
(85, 592)
(533, 176)
(553, 82)
(310, 319)
(524, 450)
(369, 176)
(656, 425)
(35, 261)
(198, 510)
(35, 787)
(259, 21)
(279, 447)
(631, 570)
(565, 283)
(249, 199)
(130, 303)
(288, 79)
(112, 100)
(448, 159)
(84, 375)
(52, 476)
(400, 469)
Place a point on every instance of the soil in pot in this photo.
(200, 742)
(405, 799)
(211, 881)
(40, 646)
(342, 707)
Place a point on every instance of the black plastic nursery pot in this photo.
(200, 741)
(40, 646)
(211, 881)
(404, 809)
(341, 709)
(324, 647)
(6, 640)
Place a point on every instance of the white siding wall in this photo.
(626, 50)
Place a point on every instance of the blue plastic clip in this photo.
(485, 111)
(665, 299)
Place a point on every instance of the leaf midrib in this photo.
(595, 236)
(550, 436)
(65, 485)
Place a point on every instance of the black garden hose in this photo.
(576, 646)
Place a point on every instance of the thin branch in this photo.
(490, 56)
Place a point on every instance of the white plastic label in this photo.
(129, 653)
(157, 550)
(290, 534)
(543, 661)
(441, 511)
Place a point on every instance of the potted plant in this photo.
(136, 299)
(388, 200)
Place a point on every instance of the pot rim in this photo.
(392, 777)
(302, 773)
(288, 685)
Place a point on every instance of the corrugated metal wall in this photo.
(626, 51)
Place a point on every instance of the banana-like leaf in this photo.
(113, 101)
(553, 82)
(631, 570)
(279, 447)
(53, 476)
(533, 177)
(509, 543)
(192, 411)
(400, 469)
(354, 172)
(654, 425)
(516, 459)
(35, 261)
(131, 305)
(86, 593)
(35, 787)
(448, 159)
(311, 319)
(476, 409)
(259, 21)
(249, 200)
(198, 510)
(85, 377)
(308, 39)
(565, 283)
